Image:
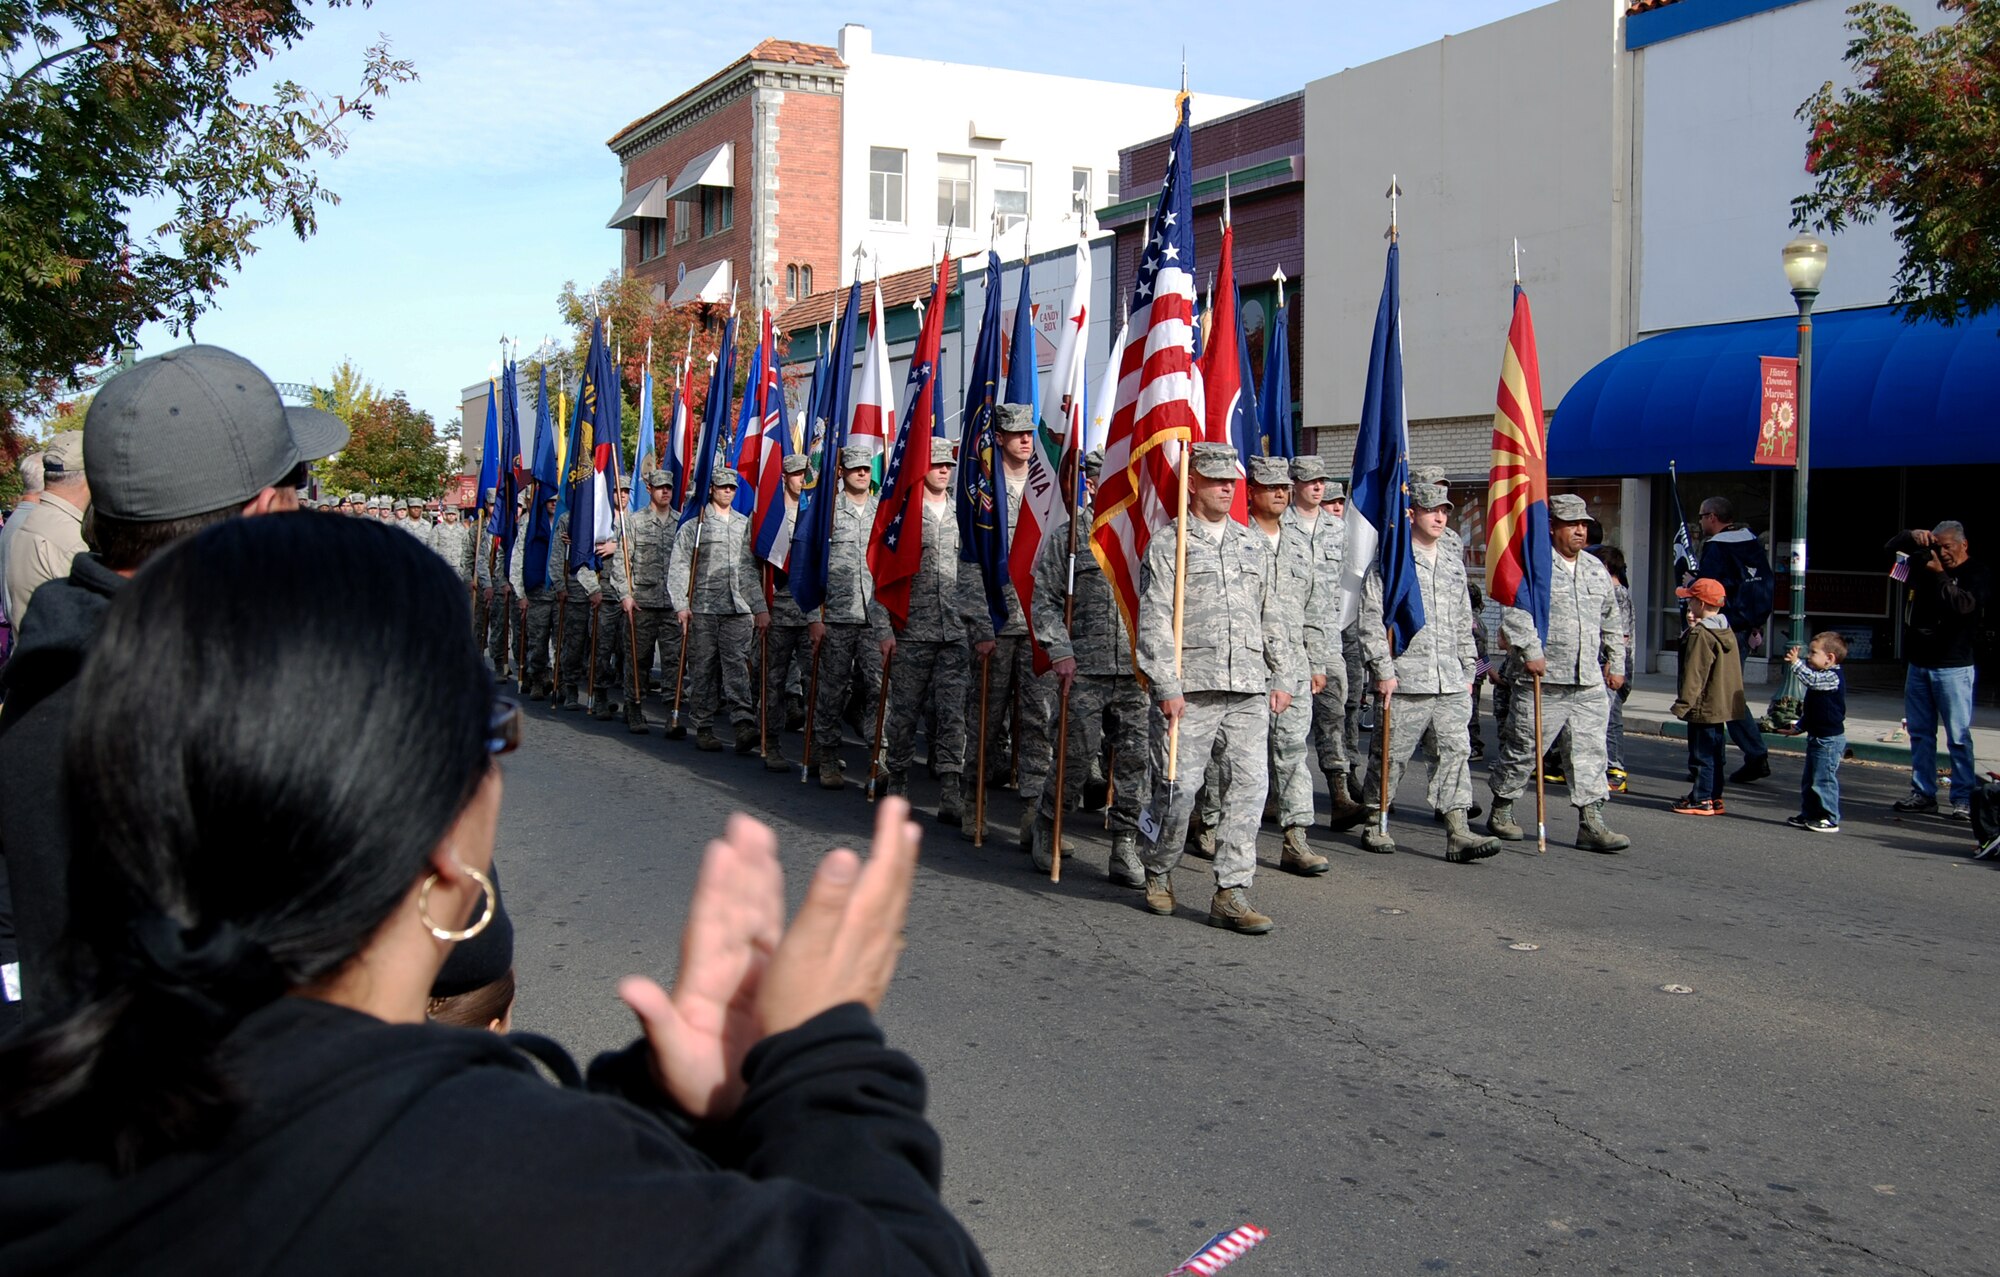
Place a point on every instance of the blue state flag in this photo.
(982, 479)
(714, 412)
(506, 518)
(1274, 404)
(535, 567)
(812, 533)
(1378, 519)
(489, 457)
(1024, 378)
(645, 456)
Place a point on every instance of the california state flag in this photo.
(874, 406)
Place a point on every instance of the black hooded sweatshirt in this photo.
(373, 1148)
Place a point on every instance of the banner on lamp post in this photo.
(1778, 413)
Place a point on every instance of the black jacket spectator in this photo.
(1736, 558)
(1942, 610)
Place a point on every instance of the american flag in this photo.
(896, 545)
(1901, 572)
(1481, 667)
(1158, 409)
(1222, 1250)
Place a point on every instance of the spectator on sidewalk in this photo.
(1944, 606)
(1732, 555)
(46, 536)
(1825, 719)
(1711, 692)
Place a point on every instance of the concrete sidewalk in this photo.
(1874, 721)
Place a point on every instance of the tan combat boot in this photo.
(1299, 858)
(1501, 823)
(1125, 868)
(1159, 893)
(1591, 834)
(951, 803)
(1461, 845)
(1231, 909)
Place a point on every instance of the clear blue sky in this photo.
(477, 191)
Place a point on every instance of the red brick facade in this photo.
(808, 193)
(666, 158)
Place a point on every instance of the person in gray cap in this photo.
(172, 445)
(1229, 676)
(650, 547)
(786, 645)
(1092, 659)
(1584, 653)
(1012, 689)
(851, 634)
(1309, 518)
(718, 597)
(452, 540)
(45, 536)
(931, 668)
(1427, 688)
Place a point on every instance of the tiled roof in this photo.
(899, 289)
(790, 52)
(1643, 6)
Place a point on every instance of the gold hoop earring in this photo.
(442, 933)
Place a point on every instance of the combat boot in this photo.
(1027, 838)
(677, 730)
(635, 718)
(1041, 843)
(746, 738)
(1159, 893)
(1346, 813)
(707, 741)
(1372, 837)
(538, 692)
(951, 802)
(1501, 823)
(831, 776)
(1461, 845)
(1125, 868)
(795, 713)
(1231, 909)
(1591, 835)
(893, 783)
(1299, 858)
(1201, 841)
(604, 711)
(570, 701)
(774, 759)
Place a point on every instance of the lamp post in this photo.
(1805, 262)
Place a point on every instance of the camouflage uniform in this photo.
(1105, 699)
(655, 628)
(856, 625)
(541, 618)
(1011, 681)
(503, 613)
(453, 543)
(1233, 656)
(1433, 680)
(586, 661)
(1312, 647)
(727, 593)
(787, 642)
(1586, 633)
(931, 667)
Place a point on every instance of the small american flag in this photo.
(1481, 668)
(1222, 1250)
(1901, 572)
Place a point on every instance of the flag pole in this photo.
(687, 630)
(979, 790)
(562, 635)
(764, 675)
(812, 712)
(1382, 732)
(881, 721)
(1180, 605)
(1541, 813)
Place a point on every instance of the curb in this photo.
(1867, 750)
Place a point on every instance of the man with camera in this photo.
(1944, 605)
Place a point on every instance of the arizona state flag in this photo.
(1517, 488)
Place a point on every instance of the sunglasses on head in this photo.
(503, 725)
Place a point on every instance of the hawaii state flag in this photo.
(896, 543)
(1517, 487)
(763, 469)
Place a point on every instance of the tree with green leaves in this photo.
(110, 105)
(1914, 139)
(392, 450)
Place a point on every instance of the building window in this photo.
(1110, 186)
(955, 191)
(1010, 194)
(809, 281)
(718, 210)
(1079, 191)
(792, 283)
(885, 184)
(652, 238)
(680, 221)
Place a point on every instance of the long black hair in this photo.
(281, 719)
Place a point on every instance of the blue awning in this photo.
(1885, 393)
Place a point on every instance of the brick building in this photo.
(1259, 154)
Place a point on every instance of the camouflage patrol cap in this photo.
(723, 477)
(797, 463)
(1214, 460)
(624, 485)
(1014, 419)
(1567, 507)
(1429, 496)
(1308, 468)
(941, 451)
(856, 456)
(1433, 475)
(658, 479)
(1093, 461)
(1335, 491)
(1270, 472)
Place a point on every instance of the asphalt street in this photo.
(1736, 1048)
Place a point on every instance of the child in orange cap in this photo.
(1711, 693)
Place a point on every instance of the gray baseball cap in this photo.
(1014, 418)
(1308, 468)
(194, 430)
(1567, 507)
(1270, 472)
(1214, 460)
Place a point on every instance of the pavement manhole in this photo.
(1391, 911)
(1523, 946)
(1676, 988)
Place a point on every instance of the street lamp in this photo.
(1805, 263)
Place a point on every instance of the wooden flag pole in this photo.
(1180, 605)
(1062, 763)
(1110, 785)
(590, 660)
(979, 787)
(812, 713)
(1541, 813)
(1062, 713)
(881, 721)
(1014, 731)
(687, 631)
(1382, 730)
(631, 618)
(764, 692)
(521, 670)
(562, 634)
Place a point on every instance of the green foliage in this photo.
(392, 450)
(349, 395)
(109, 104)
(1915, 140)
